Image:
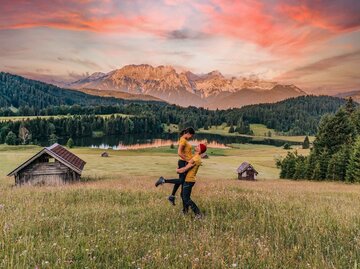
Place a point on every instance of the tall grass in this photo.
(119, 224)
(118, 219)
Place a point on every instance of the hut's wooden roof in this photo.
(244, 166)
(59, 153)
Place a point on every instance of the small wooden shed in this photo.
(246, 171)
(104, 154)
(204, 156)
(53, 165)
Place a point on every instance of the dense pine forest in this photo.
(19, 92)
(36, 130)
(336, 151)
(23, 97)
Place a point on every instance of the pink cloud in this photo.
(86, 15)
(283, 26)
(279, 26)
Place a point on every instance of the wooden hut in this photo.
(204, 156)
(104, 154)
(51, 166)
(246, 171)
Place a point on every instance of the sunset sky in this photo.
(313, 44)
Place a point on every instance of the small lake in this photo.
(131, 142)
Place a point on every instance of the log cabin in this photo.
(246, 171)
(53, 165)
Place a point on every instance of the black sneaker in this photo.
(171, 199)
(160, 181)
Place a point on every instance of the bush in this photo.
(70, 143)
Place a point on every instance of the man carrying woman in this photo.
(187, 179)
(185, 154)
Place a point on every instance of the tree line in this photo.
(51, 129)
(335, 154)
(296, 116)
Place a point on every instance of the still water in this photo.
(129, 142)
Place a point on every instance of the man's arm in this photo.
(190, 165)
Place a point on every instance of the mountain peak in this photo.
(187, 88)
(214, 74)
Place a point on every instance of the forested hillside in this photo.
(19, 92)
(295, 116)
(336, 151)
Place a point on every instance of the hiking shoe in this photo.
(199, 216)
(171, 199)
(160, 181)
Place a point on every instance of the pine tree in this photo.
(350, 106)
(353, 169)
(300, 167)
(53, 139)
(10, 139)
(70, 143)
(231, 129)
(306, 143)
(316, 174)
(338, 164)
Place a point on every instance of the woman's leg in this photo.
(182, 176)
(186, 196)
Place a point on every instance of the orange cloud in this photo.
(333, 16)
(280, 26)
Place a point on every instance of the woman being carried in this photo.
(185, 154)
(191, 168)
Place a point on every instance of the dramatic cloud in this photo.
(285, 26)
(298, 39)
(322, 65)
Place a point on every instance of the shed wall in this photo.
(49, 173)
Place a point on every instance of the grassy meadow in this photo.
(259, 131)
(118, 219)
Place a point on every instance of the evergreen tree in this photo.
(306, 143)
(338, 164)
(53, 139)
(316, 173)
(300, 168)
(287, 166)
(231, 129)
(350, 106)
(70, 143)
(10, 139)
(353, 169)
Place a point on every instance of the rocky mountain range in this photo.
(211, 90)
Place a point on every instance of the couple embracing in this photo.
(188, 166)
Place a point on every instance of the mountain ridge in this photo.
(211, 90)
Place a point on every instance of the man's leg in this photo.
(187, 202)
(186, 192)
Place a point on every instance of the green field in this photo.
(118, 219)
(259, 131)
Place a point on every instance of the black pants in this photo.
(178, 181)
(186, 197)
